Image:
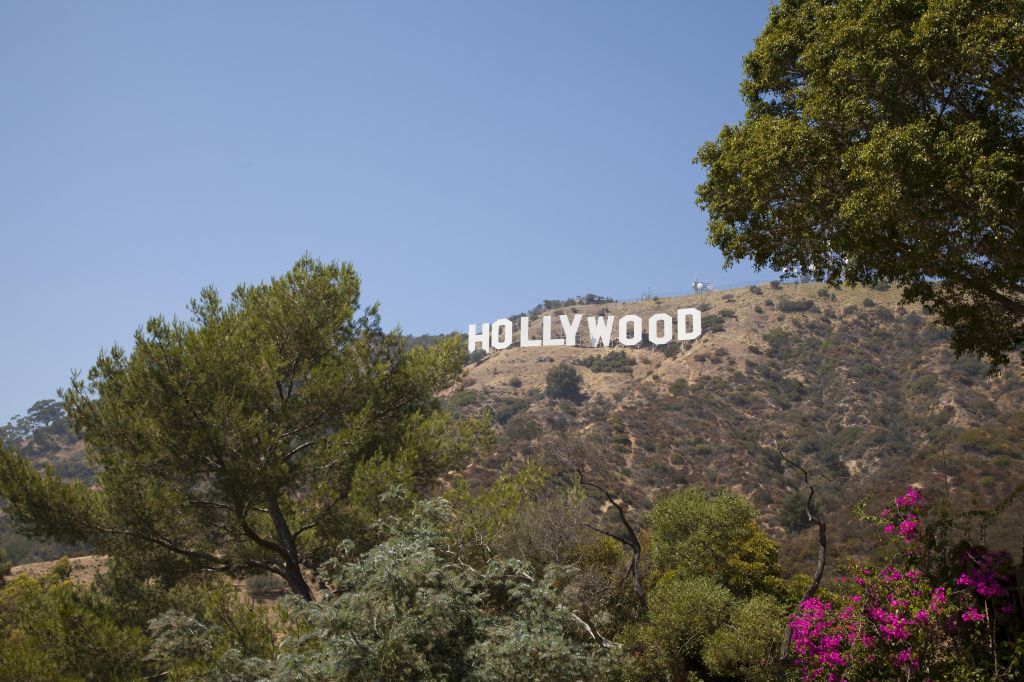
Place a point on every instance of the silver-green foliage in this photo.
(408, 609)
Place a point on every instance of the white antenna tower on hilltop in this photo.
(700, 287)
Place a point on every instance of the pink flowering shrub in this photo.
(988, 575)
(902, 517)
(908, 621)
(890, 624)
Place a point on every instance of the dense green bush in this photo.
(670, 349)
(563, 381)
(612, 361)
(717, 605)
(506, 408)
(679, 387)
(409, 610)
(712, 323)
(703, 534)
(522, 427)
(924, 384)
(464, 398)
(799, 305)
(54, 629)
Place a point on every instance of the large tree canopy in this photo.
(253, 437)
(884, 140)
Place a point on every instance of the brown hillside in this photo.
(861, 390)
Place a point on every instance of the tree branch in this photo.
(630, 540)
(815, 519)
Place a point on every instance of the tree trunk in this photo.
(296, 581)
(292, 565)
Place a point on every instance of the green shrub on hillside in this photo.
(712, 323)
(799, 305)
(563, 381)
(670, 349)
(679, 387)
(465, 398)
(522, 427)
(506, 408)
(612, 361)
(715, 608)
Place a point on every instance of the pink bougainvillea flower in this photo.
(910, 498)
(972, 615)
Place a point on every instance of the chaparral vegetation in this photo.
(814, 486)
(274, 486)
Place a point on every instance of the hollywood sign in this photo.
(660, 329)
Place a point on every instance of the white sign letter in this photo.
(501, 328)
(601, 329)
(524, 334)
(662, 337)
(483, 338)
(570, 329)
(545, 338)
(627, 338)
(681, 315)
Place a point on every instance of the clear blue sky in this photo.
(471, 158)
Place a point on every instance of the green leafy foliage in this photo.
(696, 533)
(211, 633)
(45, 439)
(43, 421)
(237, 441)
(483, 523)
(883, 142)
(748, 646)
(718, 602)
(51, 629)
(612, 361)
(507, 408)
(406, 610)
(563, 381)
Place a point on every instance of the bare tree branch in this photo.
(592, 631)
(629, 540)
(815, 519)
